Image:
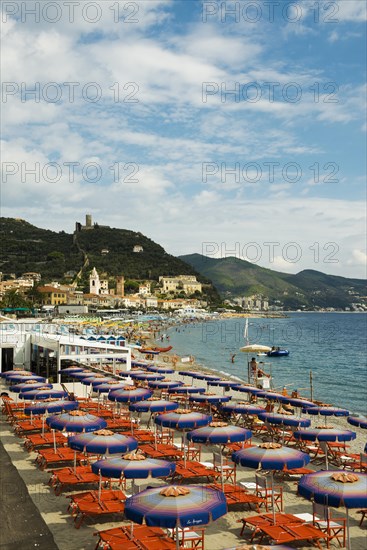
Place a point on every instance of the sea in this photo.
(330, 347)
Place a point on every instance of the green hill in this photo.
(25, 247)
(234, 277)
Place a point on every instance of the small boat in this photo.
(155, 350)
(278, 353)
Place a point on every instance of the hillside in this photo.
(25, 247)
(234, 277)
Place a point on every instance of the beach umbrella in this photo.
(255, 348)
(175, 507)
(324, 434)
(297, 402)
(134, 465)
(8, 373)
(242, 408)
(129, 394)
(284, 419)
(102, 442)
(160, 370)
(225, 384)
(336, 489)
(273, 396)
(190, 373)
(183, 419)
(76, 421)
(164, 384)
(209, 399)
(70, 370)
(29, 385)
(88, 380)
(186, 389)
(21, 378)
(242, 388)
(270, 456)
(147, 376)
(154, 405)
(203, 376)
(43, 393)
(98, 381)
(325, 411)
(359, 421)
(50, 406)
(79, 375)
(110, 385)
(219, 433)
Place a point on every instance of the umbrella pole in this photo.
(177, 537)
(348, 534)
(184, 448)
(99, 486)
(272, 496)
(221, 468)
(74, 462)
(54, 437)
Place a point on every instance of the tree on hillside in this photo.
(12, 298)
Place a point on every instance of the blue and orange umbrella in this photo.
(210, 398)
(324, 434)
(219, 433)
(183, 419)
(28, 386)
(79, 375)
(325, 411)
(186, 390)
(42, 393)
(76, 421)
(21, 378)
(359, 421)
(160, 370)
(164, 384)
(175, 507)
(102, 442)
(247, 389)
(51, 406)
(225, 384)
(153, 405)
(129, 394)
(336, 489)
(70, 370)
(110, 385)
(270, 456)
(206, 377)
(242, 408)
(8, 373)
(88, 380)
(147, 376)
(285, 419)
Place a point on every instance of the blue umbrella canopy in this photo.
(222, 383)
(335, 488)
(183, 419)
(209, 398)
(219, 433)
(28, 386)
(51, 406)
(21, 378)
(186, 389)
(43, 393)
(147, 376)
(176, 506)
(326, 411)
(8, 373)
(359, 421)
(111, 385)
(76, 421)
(88, 380)
(70, 370)
(284, 419)
(207, 377)
(129, 394)
(270, 456)
(243, 408)
(133, 465)
(164, 384)
(247, 389)
(154, 405)
(160, 370)
(102, 442)
(325, 433)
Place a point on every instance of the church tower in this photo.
(94, 282)
(120, 286)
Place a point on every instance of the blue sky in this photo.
(150, 141)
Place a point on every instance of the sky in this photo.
(220, 128)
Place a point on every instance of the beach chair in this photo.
(189, 538)
(364, 515)
(268, 491)
(34, 442)
(81, 475)
(334, 528)
(97, 510)
(226, 468)
(354, 462)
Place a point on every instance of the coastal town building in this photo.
(21, 285)
(182, 283)
(52, 296)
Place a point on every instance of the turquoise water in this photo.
(332, 345)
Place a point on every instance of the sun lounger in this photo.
(36, 441)
(235, 495)
(144, 538)
(364, 515)
(262, 520)
(106, 495)
(69, 476)
(283, 534)
(27, 426)
(47, 457)
(92, 509)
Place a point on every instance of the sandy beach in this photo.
(219, 535)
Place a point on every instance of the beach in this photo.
(219, 535)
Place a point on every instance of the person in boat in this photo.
(284, 392)
(295, 394)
